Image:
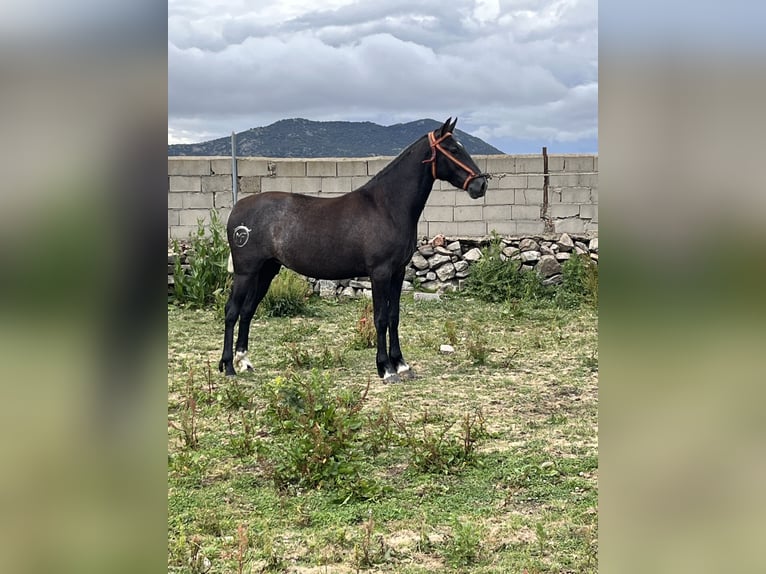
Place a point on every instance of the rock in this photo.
(407, 286)
(420, 296)
(463, 274)
(580, 245)
(565, 242)
(546, 250)
(438, 240)
(446, 272)
(461, 266)
(430, 285)
(548, 266)
(472, 254)
(430, 276)
(553, 280)
(409, 273)
(422, 272)
(528, 244)
(327, 288)
(348, 292)
(426, 250)
(454, 247)
(527, 256)
(579, 250)
(594, 257)
(563, 256)
(593, 245)
(443, 251)
(418, 261)
(446, 349)
(438, 260)
(510, 251)
(360, 284)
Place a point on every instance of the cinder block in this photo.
(578, 164)
(335, 185)
(248, 185)
(249, 167)
(345, 167)
(422, 229)
(444, 185)
(501, 164)
(500, 197)
(468, 213)
(521, 212)
(189, 217)
(529, 164)
(437, 213)
(216, 183)
(324, 168)
(595, 164)
(221, 166)
(496, 212)
(197, 200)
(481, 163)
(555, 163)
(276, 184)
(501, 227)
(375, 165)
(589, 212)
(535, 181)
(185, 183)
(448, 228)
(175, 201)
(222, 199)
(569, 225)
(508, 182)
(173, 217)
(358, 181)
(528, 197)
(564, 180)
(472, 228)
(530, 227)
(290, 168)
(188, 166)
(182, 231)
(575, 195)
(462, 198)
(591, 227)
(563, 210)
(442, 198)
(306, 184)
(588, 179)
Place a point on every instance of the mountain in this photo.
(305, 138)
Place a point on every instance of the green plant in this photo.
(288, 296)
(206, 278)
(365, 335)
(188, 415)
(450, 331)
(243, 445)
(316, 436)
(464, 546)
(579, 282)
(477, 344)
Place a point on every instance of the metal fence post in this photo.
(233, 168)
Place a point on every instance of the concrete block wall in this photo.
(515, 203)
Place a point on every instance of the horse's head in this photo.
(451, 162)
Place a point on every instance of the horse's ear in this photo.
(452, 127)
(445, 129)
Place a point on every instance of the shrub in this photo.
(365, 335)
(316, 437)
(206, 278)
(288, 296)
(579, 282)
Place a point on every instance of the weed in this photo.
(233, 395)
(243, 544)
(365, 335)
(243, 445)
(188, 416)
(579, 282)
(207, 276)
(477, 344)
(464, 546)
(288, 296)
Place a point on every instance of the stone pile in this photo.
(442, 265)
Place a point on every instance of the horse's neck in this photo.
(409, 197)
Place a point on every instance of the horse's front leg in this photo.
(239, 291)
(380, 302)
(395, 351)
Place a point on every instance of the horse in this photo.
(368, 232)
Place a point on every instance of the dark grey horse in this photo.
(370, 231)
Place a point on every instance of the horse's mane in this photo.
(395, 162)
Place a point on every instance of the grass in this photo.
(485, 463)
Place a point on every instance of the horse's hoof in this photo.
(389, 378)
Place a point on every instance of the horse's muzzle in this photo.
(477, 187)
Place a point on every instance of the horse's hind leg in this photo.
(239, 289)
(395, 351)
(258, 288)
(381, 288)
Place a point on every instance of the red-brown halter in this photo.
(436, 145)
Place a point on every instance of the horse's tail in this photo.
(230, 265)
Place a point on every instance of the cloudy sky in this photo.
(519, 74)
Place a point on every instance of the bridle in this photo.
(436, 145)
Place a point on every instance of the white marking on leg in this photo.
(403, 368)
(230, 264)
(241, 362)
(390, 377)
